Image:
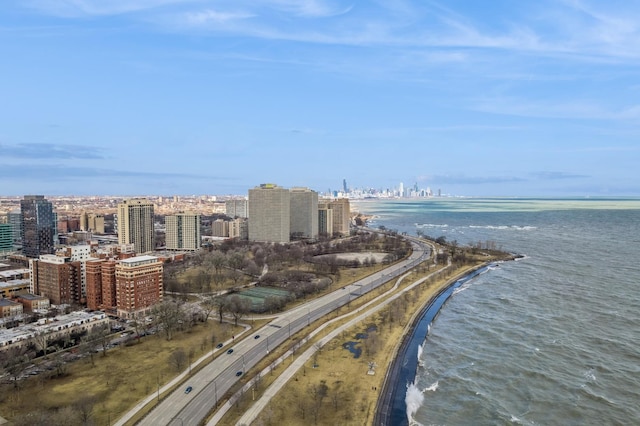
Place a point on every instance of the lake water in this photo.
(549, 339)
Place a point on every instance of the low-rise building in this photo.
(9, 308)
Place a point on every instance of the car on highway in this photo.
(230, 351)
(188, 389)
(219, 345)
(257, 336)
(238, 373)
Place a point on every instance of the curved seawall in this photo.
(392, 407)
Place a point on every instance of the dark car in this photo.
(238, 373)
(219, 345)
(257, 336)
(230, 351)
(188, 389)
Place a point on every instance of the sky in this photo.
(180, 97)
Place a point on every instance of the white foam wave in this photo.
(590, 375)
(504, 227)
(431, 225)
(432, 388)
(420, 362)
(413, 401)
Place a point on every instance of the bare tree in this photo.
(168, 316)
(238, 307)
(207, 305)
(177, 359)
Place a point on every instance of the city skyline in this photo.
(194, 97)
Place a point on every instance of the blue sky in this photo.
(500, 98)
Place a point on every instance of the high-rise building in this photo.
(101, 284)
(15, 219)
(344, 186)
(92, 222)
(135, 224)
(269, 214)
(220, 228)
(183, 231)
(138, 285)
(325, 219)
(237, 208)
(239, 228)
(304, 213)
(340, 215)
(6, 238)
(38, 226)
(57, 278)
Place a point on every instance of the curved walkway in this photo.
(252, 413)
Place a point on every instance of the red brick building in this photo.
(57, 278)
(138, 285)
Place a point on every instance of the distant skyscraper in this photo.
(183, 232)
(15, 219)
(135, 224)
(401, 190)
(304, 213)
(269, 214)
(38, 225)
(344, 185)
(6, 238)
(237, 208)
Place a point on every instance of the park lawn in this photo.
(118, 380)
(351, 394)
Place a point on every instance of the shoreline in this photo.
(391, 408)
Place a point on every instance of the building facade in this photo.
(341, 215)
(6, 238)
(135, 224)
(138, 285)
(38, 226)
(183, 232)
(57, 278)
(304, 213)
(237, 208)
(269, 214)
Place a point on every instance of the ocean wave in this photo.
(504, 227)
(413, 400)
(431, 225)
(432, 388)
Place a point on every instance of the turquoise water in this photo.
(550, 339)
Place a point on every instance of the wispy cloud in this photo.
(558, 176)
(51, 151)
(83, 8)
(469, 180)
(59, 172)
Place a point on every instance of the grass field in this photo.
(116, 382)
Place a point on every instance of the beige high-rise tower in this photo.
(304, 213)
(269, 214)
(135, 224)
(183, 231)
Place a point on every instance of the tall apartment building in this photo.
(239, 228)
(101, 284)
(220, 228)
(6, 238)
(304, 213)
(135, 224)
(183, 232)
(237, 208)
(325, 219)
(341, 215)
(38, 226)
(138, 285)
(57, 278)
(15, 219)
(92, 222)
(269, 214)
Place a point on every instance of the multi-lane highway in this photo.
(211, 382)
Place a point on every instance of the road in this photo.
(212, 381)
